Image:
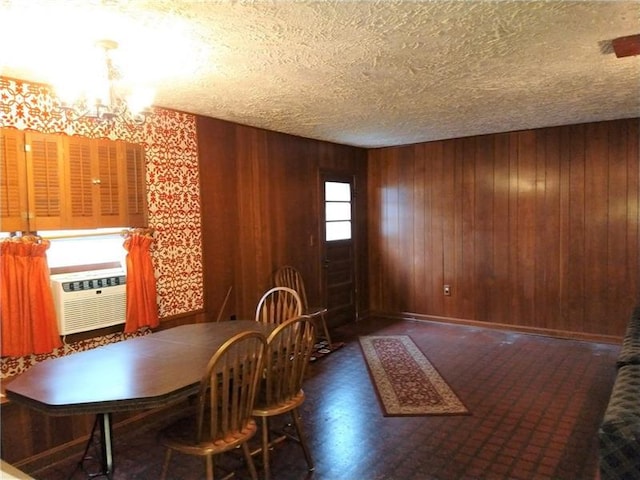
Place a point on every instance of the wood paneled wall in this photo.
(536, 229)
(260, 207)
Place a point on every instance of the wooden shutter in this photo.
(45, 176)
(136, 185)
(111, 212)
(13, 186)
(80, 187)
(52, 182)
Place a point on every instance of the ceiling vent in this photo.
(626, 46)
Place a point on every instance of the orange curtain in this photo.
(142, 303)
(27, 311)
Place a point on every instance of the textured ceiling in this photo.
(365, 73)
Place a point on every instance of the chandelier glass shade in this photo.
(100, 94)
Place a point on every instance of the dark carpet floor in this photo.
(535, 403)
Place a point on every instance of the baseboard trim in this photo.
(547, 332)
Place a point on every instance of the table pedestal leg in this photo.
(103, 420)
(106, 444)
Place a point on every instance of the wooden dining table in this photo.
(145, 372)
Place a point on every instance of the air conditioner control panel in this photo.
(91, 284)
(76, 282)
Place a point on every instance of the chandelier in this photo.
(101, 94)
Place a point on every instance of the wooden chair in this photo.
(289, 349)
(223, 419)
(277, 305)
(288, 276)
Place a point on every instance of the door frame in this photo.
(327, 175)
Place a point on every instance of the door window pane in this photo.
(337, 192)
(338, 231)
(338, 211)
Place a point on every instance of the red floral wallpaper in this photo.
(173, 188)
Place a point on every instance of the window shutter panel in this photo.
(112, 211)
(13, 187)
(136, 185)
(45, 174)
(80, 185)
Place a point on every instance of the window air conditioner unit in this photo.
(89, 300)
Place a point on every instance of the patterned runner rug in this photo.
(406, 382)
